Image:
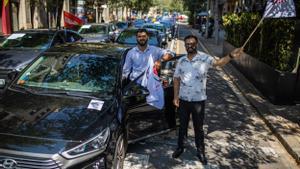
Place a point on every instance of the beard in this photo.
(143, 43)
(191, 50)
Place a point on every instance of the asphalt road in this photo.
(236, 137)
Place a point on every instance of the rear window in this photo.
(30, 40)
(129, 37)
(92, 29)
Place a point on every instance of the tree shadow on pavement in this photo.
(234, 137)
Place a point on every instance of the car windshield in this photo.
(92, 29)
(31, 40)
(121, 25)
(166, 24)
(157, 27)
(129, 37)
(78, 72)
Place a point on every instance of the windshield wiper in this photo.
(27, 90)
(69, 94)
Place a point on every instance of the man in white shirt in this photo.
(137, 58)
(190, 91)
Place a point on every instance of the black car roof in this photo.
(95, 24)
(89, 48)
(50, 31)
(135, 29)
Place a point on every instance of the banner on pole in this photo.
(280, 9)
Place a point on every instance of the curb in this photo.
(261, 107)
(262, 110)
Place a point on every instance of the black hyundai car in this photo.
(21, 47)
(70, 108)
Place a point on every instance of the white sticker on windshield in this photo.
(16, 36)
(96, 104)
(86, 26)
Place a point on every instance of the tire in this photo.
(120, 153)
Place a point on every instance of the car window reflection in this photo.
(80, 72)
(28, 40)
(129, 37)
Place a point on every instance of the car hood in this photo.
(12, 58)
(94, 37)
(40, 123)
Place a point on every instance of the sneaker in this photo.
(202, 157)
(177, 152)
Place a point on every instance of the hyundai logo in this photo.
(9, 164)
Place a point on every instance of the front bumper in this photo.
(22, 160)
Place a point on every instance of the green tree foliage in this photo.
(176, 5)
(193, 7)
(139, 5)
(274, 43)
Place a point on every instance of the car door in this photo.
(112, 32)
(59, 38)
(143, 120)
(73, 37)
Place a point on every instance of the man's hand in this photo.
(167, 56)
(176, 101)
(157, 65)
(237, 52)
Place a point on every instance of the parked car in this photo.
(100, 32)
(122, 25)
(128, 37)
(21, 47)
(171, 26)
(161, 29)
(70, 109)
(138, 23)
(2, 37)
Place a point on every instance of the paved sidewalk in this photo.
(282, 120)
(235, 136)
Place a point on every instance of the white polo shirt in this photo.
(193, 76)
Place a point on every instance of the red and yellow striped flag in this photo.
(6, 22)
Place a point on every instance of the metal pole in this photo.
(261, 20)
(56, 13)
(216, 11)
(207, 18)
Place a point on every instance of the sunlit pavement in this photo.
(235, 136)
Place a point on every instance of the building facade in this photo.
(26, 14)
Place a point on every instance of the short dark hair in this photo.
(191, 36)
(142, 30)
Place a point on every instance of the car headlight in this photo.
(97, 143)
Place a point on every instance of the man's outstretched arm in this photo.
(236, 53)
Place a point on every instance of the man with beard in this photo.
(190, 91)
(137, 57)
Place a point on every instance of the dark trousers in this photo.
(197, 110)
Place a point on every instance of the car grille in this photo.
(32, 163)
(4, 75)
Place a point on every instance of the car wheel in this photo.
(119, 155)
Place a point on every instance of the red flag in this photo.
(71, 20)
(6, 25)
